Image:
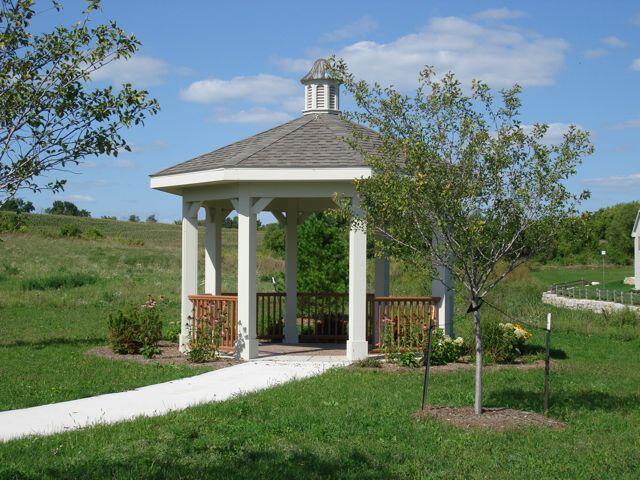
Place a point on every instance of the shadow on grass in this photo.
(231, 462)
(56, 341)
(581, 400)
(555, 353)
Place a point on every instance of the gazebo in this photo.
(635, 233)
(291, 170)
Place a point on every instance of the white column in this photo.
(357, 346)
(290, 274)
(189, 268)
(637, 261)
(213, 251)
(381, 287)
(247, 344)
(442, 286)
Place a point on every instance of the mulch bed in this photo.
(497, 419)
(453, 367)
(170, 355)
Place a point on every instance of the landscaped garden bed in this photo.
(168, 355)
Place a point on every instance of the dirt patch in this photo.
(498, 419)
(453, 367)
(169, 355)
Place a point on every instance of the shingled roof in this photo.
(311, 141)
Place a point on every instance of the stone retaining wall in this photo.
(597, 306)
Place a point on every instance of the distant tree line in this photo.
(581, 239)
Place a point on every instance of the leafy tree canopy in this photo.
(458, 180)
(60, 207)
(52, 116)
(17, 205)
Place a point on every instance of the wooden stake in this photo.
(427, 363)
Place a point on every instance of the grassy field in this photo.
(345, 424)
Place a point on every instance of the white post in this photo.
(189, 268)
(442, 287)
(357, 346)
(247, 344)
(212, 251)
(290, 275)
(636, 254)
(381, 287)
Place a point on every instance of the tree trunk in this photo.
(478, 331)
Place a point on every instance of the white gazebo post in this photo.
(357, 346)
(291, 276)
(189, 267)
(441, 286)
(212, 251)
(636, 251)
(247, 343)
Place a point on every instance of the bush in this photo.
(93, 233)
(71, 231)
(137, 331)
(12, 222)
(58, 280)
(172, 332)
(444, 349)
(369, 362)
(409, 359)
(503, 342)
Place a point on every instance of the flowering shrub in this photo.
(445, 349)
(504, 342)
(207, 337)
(136, 331)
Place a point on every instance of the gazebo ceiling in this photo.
(311, 141)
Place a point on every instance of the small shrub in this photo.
(137, 331)
(57, 281)
(445, 349)
(70, 231)
(93, 234)
(172, 332)
(369, 362)
(408, 359)
(205, 343)
(12, 222)
(503, 342)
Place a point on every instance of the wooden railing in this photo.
(211, 309)
(322, 317)
(403, 321)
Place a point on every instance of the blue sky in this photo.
(225, 70)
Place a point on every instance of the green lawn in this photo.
(613, 275)
(345, 424)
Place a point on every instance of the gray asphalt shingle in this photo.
(311, 141)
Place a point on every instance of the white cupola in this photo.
(321, 90)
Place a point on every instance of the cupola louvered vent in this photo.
(320, 103)
(322, 90)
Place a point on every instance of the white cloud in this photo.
(358, 28)
(617, 182)
(595, 53)
(140, 71)
(79, 198)
(613, 41)
(499, 55)
(123, 163)
(636, 64)
(293, 65)
(499, 14)
(555, 133)
(261, 88)
(252, 115)
(633, 123)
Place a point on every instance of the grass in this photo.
(347, 423)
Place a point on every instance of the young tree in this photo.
(151, 218)
(458, 180)
(134, 218)
(60, 207)
(51, 116)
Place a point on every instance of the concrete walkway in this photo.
(160, 398)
